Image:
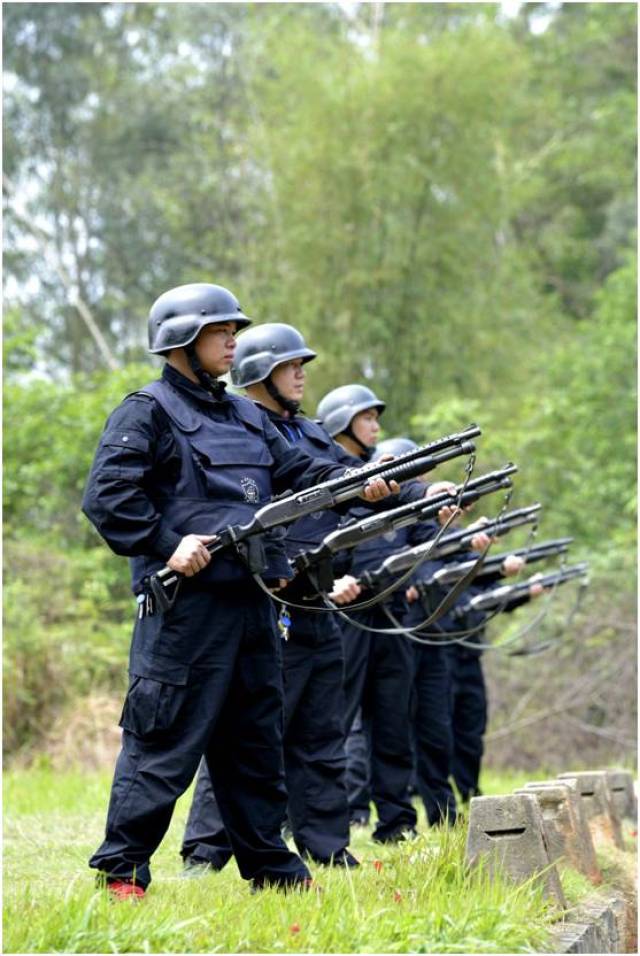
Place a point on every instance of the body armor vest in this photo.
(224, 477)
(311, 529)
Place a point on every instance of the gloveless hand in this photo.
(191, 555)
(512, 564)
(345, 590)
(377, 488)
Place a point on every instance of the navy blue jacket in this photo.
(370, 554)
(176, 461)
(312, 438)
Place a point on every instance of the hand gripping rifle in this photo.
(448, 544)
(287, 508)
(319, 560)
(493, 563)
(505, 595)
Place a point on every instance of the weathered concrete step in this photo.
(525, 834)
(596, 926)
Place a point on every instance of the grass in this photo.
(418, 897)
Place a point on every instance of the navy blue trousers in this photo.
(432, 741)
(358, 748)
(205, 678)
(469, 711)
(315, 761)
(378, 676)
(433, 732)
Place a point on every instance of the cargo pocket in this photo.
(157, 693)
(125, 451)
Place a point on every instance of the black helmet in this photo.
(262, 348)
(393, 446)
(178, 315)
(338, 408)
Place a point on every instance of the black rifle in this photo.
(352, 534)
(448, 544)
(493, 563)
(287, 508)
(501, 597)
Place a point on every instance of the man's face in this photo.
(289, 378)
(215, 347)
(365, 426)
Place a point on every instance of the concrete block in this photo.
(620, 914)
(619, 909)
(576, 938)
(597, 925)
(606, 913)
(595, 798)
(568, 835)
(601, 914)
(509, 832)
(621, 787)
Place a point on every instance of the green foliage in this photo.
(581, 452)
(50, 435)
(67, 598)
(442, 198)
(575, 442)
(66, 630)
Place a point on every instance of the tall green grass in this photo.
(418, 897)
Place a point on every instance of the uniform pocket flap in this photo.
(232, 451)
(161, 669)
(316, 434)
(126, 438)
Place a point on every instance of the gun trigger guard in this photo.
(252, 553)
(323, 575)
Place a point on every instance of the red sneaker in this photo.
(124, 890)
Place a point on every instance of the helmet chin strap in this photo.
(287, 404)
(208, 381)
(366, 451)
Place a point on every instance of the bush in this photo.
(67, 625)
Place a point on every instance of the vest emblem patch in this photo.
(250, 489)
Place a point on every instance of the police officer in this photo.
(429, 709)
(358, 743)
(177, 462)
(270, 363)
(469, 702)
(433, 718)
(378, 668)
(451, 744)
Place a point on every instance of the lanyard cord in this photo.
(457, 637)
(535, 620)
(330, 608)
(554, 639)
(525, 652)
(442, 608)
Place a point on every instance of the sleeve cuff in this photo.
(166, 542)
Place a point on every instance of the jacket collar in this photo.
(193, 389)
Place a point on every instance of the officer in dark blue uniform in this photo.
(178, 461)
(269, 363)
(429, 708)
(451, 716)
(469, 702)
(432, 717)
(378, 667)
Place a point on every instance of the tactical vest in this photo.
(311, 529)
(224, 477)
(370, 554)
